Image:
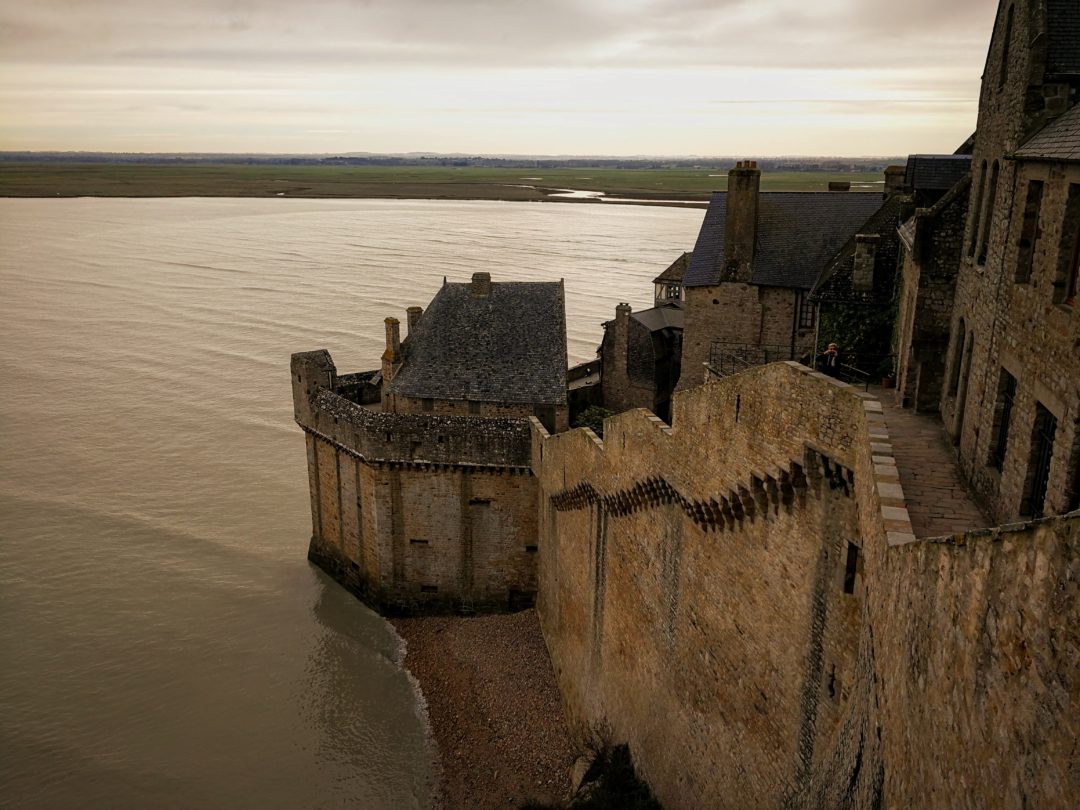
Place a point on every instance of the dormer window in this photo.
(673, 292)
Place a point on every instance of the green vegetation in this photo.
(593, 417)
(439, 182)
(862, 333)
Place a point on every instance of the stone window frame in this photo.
(1044, 435)
(1030, 231)
(1004, 405)
(1003, 62)
(1067, 276)
(988, 214)
(806, 311)
(957, 358)
(976, 211)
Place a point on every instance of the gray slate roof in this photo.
(936, 172)
(675, 271)
(1059, 140)
(798, 231)
(1063, 37)
(507, 347)
(663, 317)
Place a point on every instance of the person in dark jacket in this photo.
(828, 362)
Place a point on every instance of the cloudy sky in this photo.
(619, 77)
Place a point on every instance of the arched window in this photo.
(988, 214)
(1003, 67)
(976, 211)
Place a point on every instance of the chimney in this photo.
(481, 285)
(413, 314)
(862, 278)
(740, 226)
(895, 180)
(391, 359)
(839, 185)
(613, 376)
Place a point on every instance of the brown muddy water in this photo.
(163, 641)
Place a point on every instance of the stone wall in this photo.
(739, 314)
(740, 599)
(417, 512)
(927, 287)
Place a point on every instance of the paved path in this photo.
(937, 500)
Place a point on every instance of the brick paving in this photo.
(938, 502)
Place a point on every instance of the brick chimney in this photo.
(413, 314)
(391, 358)
(740, 225)
(481, 285)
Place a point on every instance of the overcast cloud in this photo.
(524, 76)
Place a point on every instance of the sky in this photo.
(538, 77)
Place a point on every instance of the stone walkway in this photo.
(937, 500)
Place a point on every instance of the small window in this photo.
(958, 356)
(429, 589)
(416, 541)
(389, 436)
(474, 407)
(807, 310)
(1067, 277)
(976, 212)
(1003, 69)
(1003, 408)
(1043, 434)
(851, 567)
(530, 549)
(988, 216)
(427, 403)
(1029, 232)
(674, 292)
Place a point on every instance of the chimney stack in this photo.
(895, 180)
(391, 359)
(481, 285)
(740, 225)
(862, 277)
(413, 314)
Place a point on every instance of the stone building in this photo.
(641, 353)
(1011, 400)
(757, 257)
(930, 249)
(422, 496)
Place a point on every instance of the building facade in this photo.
(422, 496)
(1011, 399)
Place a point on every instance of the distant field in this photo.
(414, 182)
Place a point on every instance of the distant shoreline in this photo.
(680, 188)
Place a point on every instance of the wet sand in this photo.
(494, 709)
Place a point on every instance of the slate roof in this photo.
(509, 346)
(836, 282)
(798, 231)
(1063, 37)
(1059, 140)
(936, 172)
(657, 318)
(675, 272)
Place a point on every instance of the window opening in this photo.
(851, 565)
(1066, 280)
(1043, 433)
(988, 215)
(1029, 232)
(1002, 416)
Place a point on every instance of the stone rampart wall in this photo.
(740, 598)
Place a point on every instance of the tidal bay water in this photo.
(163, 641)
